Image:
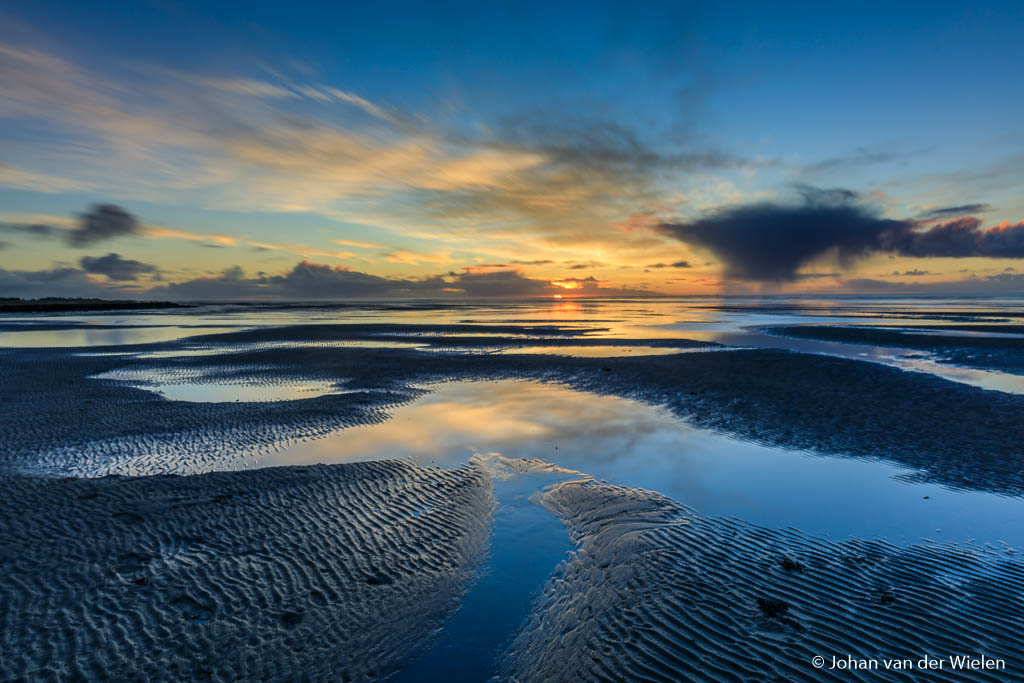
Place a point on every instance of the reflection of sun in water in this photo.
(565, 308)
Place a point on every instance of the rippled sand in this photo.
(337, 572)
(202, 568)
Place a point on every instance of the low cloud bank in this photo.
(314, 281)
(305, 281)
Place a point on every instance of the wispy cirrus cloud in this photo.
(287, 89)
(160, 232)
(556, 177)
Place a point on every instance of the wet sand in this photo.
(655, 591)
(323, 573)
(194, 567)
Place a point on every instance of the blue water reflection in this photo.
(633, 444)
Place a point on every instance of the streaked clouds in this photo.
(626, 154)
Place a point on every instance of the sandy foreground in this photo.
(347, 572)
(327, 573)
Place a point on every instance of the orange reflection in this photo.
(566, 307)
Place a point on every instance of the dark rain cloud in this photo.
(771, 241)
(102, 222)
(114, 267)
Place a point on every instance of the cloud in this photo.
(37, 230)
(159, 232)
(586, 174)
(538, 262)
(286, 90)
(102, 222)
(1007, 277)
(22, 179)
(591, 286)
(66, 282)
(305, 281)
(361, 245)
(771, 241)
(677, 264)
(501, 283)
(314, 281)
(959, 238)
(951, 211)
(859, 157)
(992, 285)
(814, 276)
(116, 268)
(556, 175)
(766, 241)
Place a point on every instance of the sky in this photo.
(243, 150)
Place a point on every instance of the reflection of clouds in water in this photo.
(986, 379)
(101, 337)
(597, 351)
(633, 444)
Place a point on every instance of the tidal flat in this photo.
(702, 489)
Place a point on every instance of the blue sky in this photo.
(415, 141)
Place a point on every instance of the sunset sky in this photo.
(185, 150)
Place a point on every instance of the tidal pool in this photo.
(101, 336)
(602, 351)
(630, 443)
(634, 444)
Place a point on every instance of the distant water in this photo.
(731, 320)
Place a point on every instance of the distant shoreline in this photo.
(51, 305)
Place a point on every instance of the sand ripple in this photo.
(324, 573)
(656, 592)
